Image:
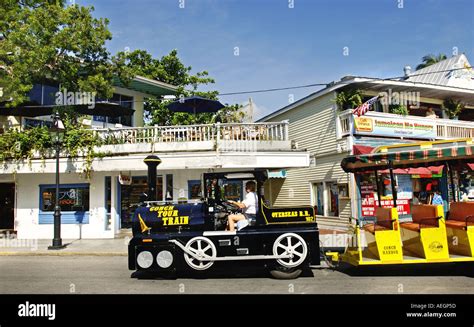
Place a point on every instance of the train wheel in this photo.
(285, 273)
(203, 248)
(289, 244)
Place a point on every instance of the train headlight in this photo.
(145, 259)
(164, 259)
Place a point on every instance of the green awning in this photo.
(147, 86)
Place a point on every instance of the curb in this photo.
(60, 254)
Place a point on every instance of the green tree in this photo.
(431, 59)
(453, 107)
(348, 99)
(170, 69)
(48, 41)
(45, 40)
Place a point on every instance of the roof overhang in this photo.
(383, 85)
(426, 90)
(147, 86)
(203, 160)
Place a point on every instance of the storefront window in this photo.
(73, 201)
(130, 197)
(70, 198)
(194, 189)
(412, 189)
(333, 199)
(318, 196)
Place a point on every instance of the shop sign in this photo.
(277, 174)
(125, 179)
(369, 203)
(394, 127)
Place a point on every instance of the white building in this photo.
(102, 206)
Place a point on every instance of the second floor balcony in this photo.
(206, 146)
(404, 127)
(247, 137)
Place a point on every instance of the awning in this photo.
(100, 109)
(362, 149)
(407, 159)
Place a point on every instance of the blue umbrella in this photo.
(195, 104)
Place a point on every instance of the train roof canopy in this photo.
(423, 154)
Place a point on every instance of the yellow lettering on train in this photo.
(183, 220)
(284, 214)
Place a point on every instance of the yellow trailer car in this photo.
(434, 234)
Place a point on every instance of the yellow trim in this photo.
(143, 226)
(461, 241)
(151, 160)
(147, 240)
(354, 255)
(407, 261)
(262, 204)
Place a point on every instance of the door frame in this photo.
(14, 202)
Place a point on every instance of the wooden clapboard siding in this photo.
(345, 210)
(295, 188)
(313, 127)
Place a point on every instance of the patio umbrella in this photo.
(194, 105)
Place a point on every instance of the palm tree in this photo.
(431, 59)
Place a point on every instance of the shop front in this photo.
(438, 184)
(412, 186)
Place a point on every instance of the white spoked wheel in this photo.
(293, 245)
(203, 248)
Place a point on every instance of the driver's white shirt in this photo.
(250, 203)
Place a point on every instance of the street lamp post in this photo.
(57, 241)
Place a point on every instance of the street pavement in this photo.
(84, 274)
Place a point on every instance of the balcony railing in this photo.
(443, 128)
(195, 133)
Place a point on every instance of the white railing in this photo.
(445, 128)
(253, 132)
(195, 133)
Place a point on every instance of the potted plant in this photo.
(349, 99)
(398, 109)
(453, 108)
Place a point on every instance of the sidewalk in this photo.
(113, 247)
(94, 247)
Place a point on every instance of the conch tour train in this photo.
(202, 236)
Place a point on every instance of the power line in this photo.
(332, 83)
(274, 89)
(344, 82)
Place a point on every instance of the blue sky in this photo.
(281, 46)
